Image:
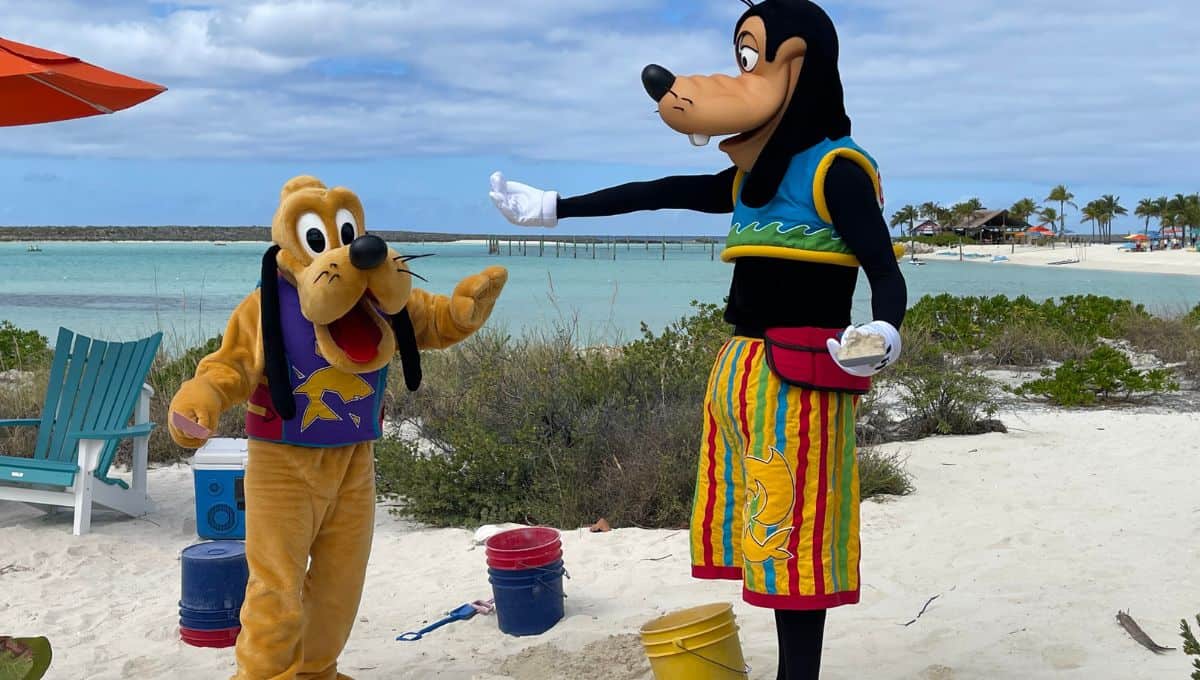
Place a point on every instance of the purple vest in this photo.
(333, 408)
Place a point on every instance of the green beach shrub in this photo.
(22, 349)
(942, 394)
(537, 430)
(1174, 340)
(1190, 646)
(1105, 376)
(1019, 330)
(22, 399)
(882, 474)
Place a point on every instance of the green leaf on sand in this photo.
(24, 658)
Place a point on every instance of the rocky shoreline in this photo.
(178, 233)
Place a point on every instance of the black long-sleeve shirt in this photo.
(771, 292)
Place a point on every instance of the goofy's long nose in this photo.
(658, 81)
(368, 251)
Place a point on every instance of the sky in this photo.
(413, 103)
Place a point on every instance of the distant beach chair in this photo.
(95, 388)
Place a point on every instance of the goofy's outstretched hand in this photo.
(522, 204)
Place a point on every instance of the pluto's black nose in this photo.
(658, 81)
(368, 251)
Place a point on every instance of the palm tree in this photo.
(1064, 198)
(1023, 209)
(929, 210)
(1162, 206)
(961, 214)
(1177, 213)
(1188, 216)
(1091, 213)
(908, 213)
(1110, 208)
(1147, 208)
(1048, 214)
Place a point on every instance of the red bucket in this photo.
(225, 637)
(524, 548)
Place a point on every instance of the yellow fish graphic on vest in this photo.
(347, 386)
(770, 501)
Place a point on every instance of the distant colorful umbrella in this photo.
(1039, 231)
(40, 86)
(1137, 237)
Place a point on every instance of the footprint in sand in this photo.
(163, 633)
(145, 667)
(937, 672)
(1064, 657)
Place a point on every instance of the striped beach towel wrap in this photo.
(777, 493)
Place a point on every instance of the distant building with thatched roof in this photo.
(991, 226)
(926, 228)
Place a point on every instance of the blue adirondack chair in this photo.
(95, 387)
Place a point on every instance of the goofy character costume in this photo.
(777, 492)
(309, 350)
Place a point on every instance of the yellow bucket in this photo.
(700, 643)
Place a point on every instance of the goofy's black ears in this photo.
(406, 342)
(274, 354)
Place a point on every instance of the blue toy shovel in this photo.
(463, 613)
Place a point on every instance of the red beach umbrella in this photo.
(40, 86)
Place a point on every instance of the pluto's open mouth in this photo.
(357, 333)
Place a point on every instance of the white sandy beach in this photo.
(1103, 257)
(1031, 540)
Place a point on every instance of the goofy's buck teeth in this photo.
(699, 139)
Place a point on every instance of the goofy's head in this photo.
(786, 97)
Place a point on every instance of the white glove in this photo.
(891, 344)
(524, 205)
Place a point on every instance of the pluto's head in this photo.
(351, 285)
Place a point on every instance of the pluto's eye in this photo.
(310, 231)
(348, 226)
(747, 58)
(315, 239)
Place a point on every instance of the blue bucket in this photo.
(530, 601)
(214, 620)
(214, 585)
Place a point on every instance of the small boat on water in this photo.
(919, 263)
(33, 248)
(1071, 261)
(219, 243)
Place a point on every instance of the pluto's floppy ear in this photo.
(406, 342)
(274, 354)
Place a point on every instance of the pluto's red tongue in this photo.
(357, 335)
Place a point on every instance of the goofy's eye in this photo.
(347, 226)
(310, 231)
(747, 58)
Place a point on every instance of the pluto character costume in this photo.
(309, 350)
(777, 491)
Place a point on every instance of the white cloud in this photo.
(1038, 90)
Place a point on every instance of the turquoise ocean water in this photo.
(126, 290)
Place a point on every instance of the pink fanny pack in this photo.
(799, 357)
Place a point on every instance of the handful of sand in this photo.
(859, 349)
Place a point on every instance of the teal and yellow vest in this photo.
(795, 224)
